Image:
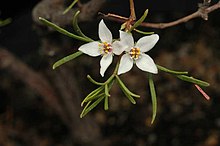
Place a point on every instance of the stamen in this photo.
(105, 48)
(135, 53)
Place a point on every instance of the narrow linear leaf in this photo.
(110, 79)
(93, 81)
(193, 80)
(110, 84)
(98, 93)
(76, 26)
(125, 88)
(106, 103)
(70, 6)
(106, 97)
(83, 111)
(106, 90)
(63, 31)
(5, 22)
(153, 98)
(123, 26)
(66, 59)
(143, 32)
(92, 106)
(94, 91)
(128, 96)
(172, 71)
(125, 92)
(92, 95)
(137, 23)
(95, 97)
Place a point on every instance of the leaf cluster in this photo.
(102, 93)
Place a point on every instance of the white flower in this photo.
(105, 48)
(135, 53)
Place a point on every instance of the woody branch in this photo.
(202, 12)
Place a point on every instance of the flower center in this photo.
(105, 48)
(135, 53)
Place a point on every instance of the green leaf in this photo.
(193, 80)
(123, 26)
(137, 23)
(76, 26)
(153, 98)
(93, 95)
(106, 97)
(171, 71)
(93, 81)
(106, 90)
(125, 88)
(143, 32)
(128, 95)
(70, 6)
(5, 22)
(92, 106)
(63, 31)
(91, 98)
(112, 81)
(83, 111)
(66, 59)
(106, 103)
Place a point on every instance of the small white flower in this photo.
(135, 53)
(105, 48)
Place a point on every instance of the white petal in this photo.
(118, 47)
(127, 40)
(105, 34)
(147, 64)
(146, 43)
(104, 63)
(91, 49)
(126, 63)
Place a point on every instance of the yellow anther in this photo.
(105, 48)
(135, 53)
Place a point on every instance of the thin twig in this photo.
(199, 13)
(132, 18)
(132, 10)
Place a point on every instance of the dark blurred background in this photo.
(40, 106)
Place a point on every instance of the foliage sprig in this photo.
(102, 92)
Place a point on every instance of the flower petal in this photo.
(148, 42)
(91, 49)
(147, 64)
(127, 40)
(104, 63)
(126, 63)
(118, 47)
(105, 34)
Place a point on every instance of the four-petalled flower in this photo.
(135, 53)
(106, 48)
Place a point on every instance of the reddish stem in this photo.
(202, 92)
